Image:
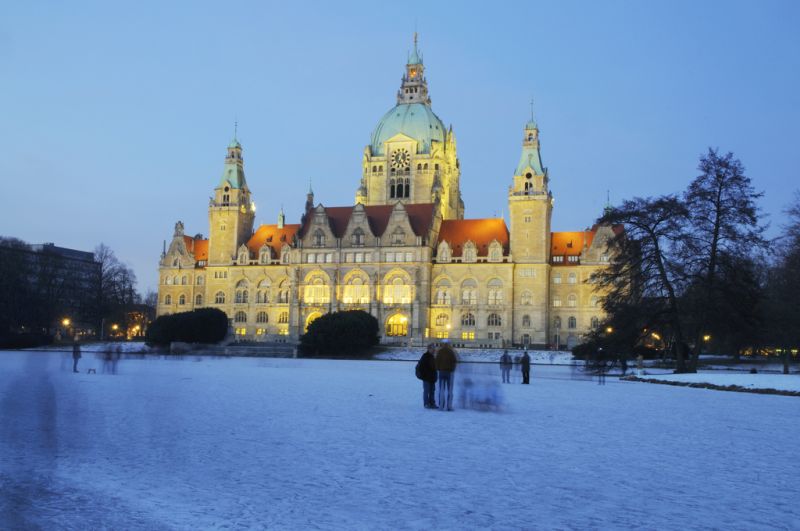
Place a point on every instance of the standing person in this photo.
(623, 363)
(525, 363)
(426, 371)
(446, 364)
(517, 359)
(76, 354)
(639, 365)
(505, 366)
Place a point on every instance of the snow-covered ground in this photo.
(552, 357)
(204, 443)
(783, 382)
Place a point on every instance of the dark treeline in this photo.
(693, 271)
(40, 286)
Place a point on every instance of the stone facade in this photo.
(404, 252)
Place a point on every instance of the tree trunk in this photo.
(786, 354)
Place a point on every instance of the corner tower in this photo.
(231, 211)
(412, 155)
(530, 203)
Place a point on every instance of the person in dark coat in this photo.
(76, 354)
(525, 364)
(427, 373)
(446, 364)
(505, 366)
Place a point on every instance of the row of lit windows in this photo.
(420, 167)
(261, 317)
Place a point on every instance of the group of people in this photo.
(524, 363)
(437, 366)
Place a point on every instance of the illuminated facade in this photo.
(403, 252)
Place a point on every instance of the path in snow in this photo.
(224, 443)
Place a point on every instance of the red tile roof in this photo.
(273, 236)
(456, 232)
(197, 246)
(572, 243)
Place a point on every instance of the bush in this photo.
(340, 334)
(206, 325)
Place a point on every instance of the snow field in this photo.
(199, 443)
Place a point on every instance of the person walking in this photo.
(426, 371)
(505, 366)
(525, 364)
(76, 354)
(446, 364)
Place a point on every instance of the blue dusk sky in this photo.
(115, 116)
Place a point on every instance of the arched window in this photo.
(528, 186)
(557, 278)
(240, 317)
(595, 323)
(358, 237)
(176, 280)
(198, 300)
(425, 166)
(572, 300)
(495, 291)
(183, 280)
(262, 295)
(264, 255)
(468, 319)
(244, 256)
(407, 189)
(442, 295)
(526, 299)
(283, 292)
(219, 298)
(397, 325)
(200, 280)
(526, 321)
(397, 292)
(176, 262)
(392, 189)
(242, 293)
(572, 278)
(557, 322)
(182, 300)
(374, 169)
(319, 238)
(572, 323)
(469, 292)
(494, 320)
(168, 299)
(283, 318)
(442, 319)
(168, 280)
(356, 291)
(419, 167)
(556, 301)
(261, 317)
(316, 292)
(594, 302)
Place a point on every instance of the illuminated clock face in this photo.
(400, 159)
(413, 72)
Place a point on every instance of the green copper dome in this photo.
(415, 120)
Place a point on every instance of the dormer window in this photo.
(358, 237)
(319, 238)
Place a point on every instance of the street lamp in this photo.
(609, 329)
(706, 338)
(65, 322)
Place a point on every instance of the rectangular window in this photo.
(557, 278)
(261, 332)
(241, 331)
(442, 334)
(329, 258)
(558, 259)
(390, 257)
(359, 257)
(311, 258)
(467, 335)
(409, 257)
(349, 257)
(283, 331)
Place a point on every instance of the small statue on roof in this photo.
(179, 229)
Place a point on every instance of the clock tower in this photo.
(412, 155)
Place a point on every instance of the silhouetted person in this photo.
(76, 354)
(623, 363)
(446, 364)
(505, 366)
(525, 364)
(426, 368)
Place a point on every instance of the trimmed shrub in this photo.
(340, 334)
(206, 325)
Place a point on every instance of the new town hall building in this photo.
(404, 252)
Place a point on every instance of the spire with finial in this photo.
(608, 208)
(281, 218)
(309, 197)
(414, 88)
(531, 125)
